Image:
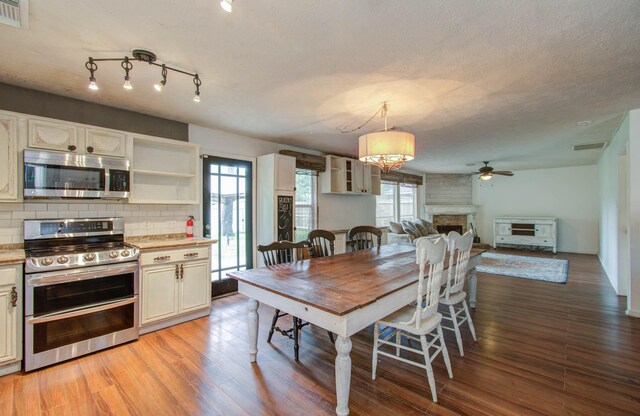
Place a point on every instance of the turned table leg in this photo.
(252, 323)
(473, 286)
(343, 375)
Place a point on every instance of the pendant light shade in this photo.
(387, 149)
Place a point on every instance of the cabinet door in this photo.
(503, 229)
(285, 171)
(105, 142)
(8, 324)
(52, 136)
(195, 286)
(543, 230)
(8, 158)
(366, 178)
(159, 293)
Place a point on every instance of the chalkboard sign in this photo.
(285, 217)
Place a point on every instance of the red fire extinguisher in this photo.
(189, 226)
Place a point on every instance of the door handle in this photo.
(181, 271)
(14, 297)
(177, 272)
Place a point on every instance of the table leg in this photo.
(343, 375)
(252, 323)
(473, 286)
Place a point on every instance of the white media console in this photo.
(525, 231)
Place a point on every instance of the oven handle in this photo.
(45, 279)
(78, 312)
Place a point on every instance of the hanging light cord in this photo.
(383, 113)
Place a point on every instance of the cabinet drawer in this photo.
(175, 255)
(9, 275)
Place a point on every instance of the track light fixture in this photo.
(227, 5)
(162, 83)
(126, 64)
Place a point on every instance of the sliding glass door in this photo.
(227, 217)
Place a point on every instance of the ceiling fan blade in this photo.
(502, 172)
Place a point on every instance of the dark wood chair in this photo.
(280, 252)
(364, 237)
(321, 243)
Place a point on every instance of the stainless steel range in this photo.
(81, 288)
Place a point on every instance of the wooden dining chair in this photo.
(321, 243)
(453, 295)
(364, 237)
(280, 252)
(419, 321)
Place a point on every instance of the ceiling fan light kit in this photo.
(140, 55)
(486, 172)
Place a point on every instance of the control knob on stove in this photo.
(47, 261)
(63, 259)
(125, 253)
(90, 256)
(113, 254)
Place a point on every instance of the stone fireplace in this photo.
(451, 217)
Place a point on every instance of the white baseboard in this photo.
(633, 312)
(11, 368)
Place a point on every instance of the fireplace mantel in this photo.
(431, 210)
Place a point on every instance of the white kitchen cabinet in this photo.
(164, 171)
(526, 231)
(276, 176)
(53, 135)
(105, 142)
(175, 286)
(349, 176)
(10, 318)
(8, 158)
(159, 298)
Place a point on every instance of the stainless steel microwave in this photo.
(65, 175)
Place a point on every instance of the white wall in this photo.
(633, 300)
(335, 211)
(608, 175)
(570, 194)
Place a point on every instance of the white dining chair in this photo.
(453, 295)
(419, 321)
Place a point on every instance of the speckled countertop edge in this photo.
(154, 242)
(11, 254)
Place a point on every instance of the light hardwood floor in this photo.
(543, 349)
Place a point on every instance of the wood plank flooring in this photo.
(543, 349)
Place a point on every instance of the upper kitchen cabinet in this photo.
(50, 135)
(349, 176)
(105, 142)
(277, 172)
(164, 171)
(75, 138)
(8, 158)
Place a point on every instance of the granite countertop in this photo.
(154, 242)
(11, 254)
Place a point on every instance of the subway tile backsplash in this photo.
(139, 219)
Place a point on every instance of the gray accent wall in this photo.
(39, 103)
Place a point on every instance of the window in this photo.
(396, 202)
(306, 203)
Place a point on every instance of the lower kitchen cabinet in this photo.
(175, 287)
(10, 318)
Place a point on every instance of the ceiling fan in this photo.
(486, 172)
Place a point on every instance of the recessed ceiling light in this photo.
(226, 5)
(584, 123)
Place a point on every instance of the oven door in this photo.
(76, 312)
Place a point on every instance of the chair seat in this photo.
(453, 299)
(405, 314)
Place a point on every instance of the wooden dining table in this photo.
(342, 294)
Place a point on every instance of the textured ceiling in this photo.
(494, 80)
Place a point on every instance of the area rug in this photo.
(526, 267)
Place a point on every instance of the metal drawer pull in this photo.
(162, 258)
(191, 255)
(14, 296)
(78, 312)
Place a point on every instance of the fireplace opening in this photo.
(446, 229)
